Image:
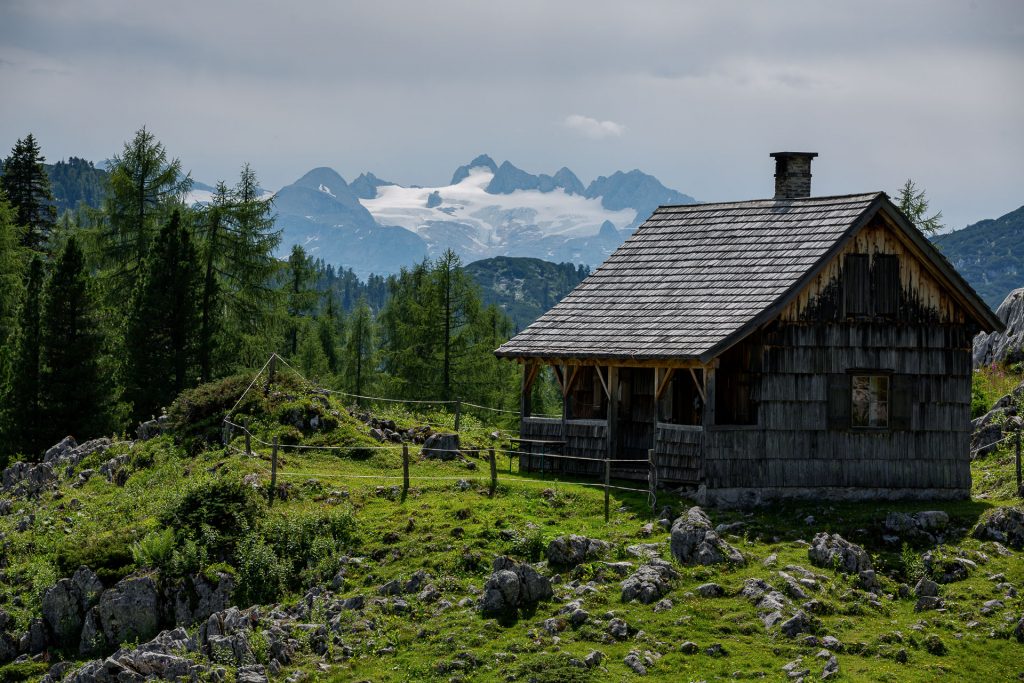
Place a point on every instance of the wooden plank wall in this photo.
(584, 438)
(677, 453)
(792, 446)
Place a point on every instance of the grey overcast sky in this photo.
(696, 93)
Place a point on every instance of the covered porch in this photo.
(620, 411)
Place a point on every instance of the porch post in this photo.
(613, 409)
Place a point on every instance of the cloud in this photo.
(592, 128)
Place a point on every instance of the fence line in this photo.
(994, 443)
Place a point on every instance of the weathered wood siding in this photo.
(678, 453)
(584, 438)
(798, 447)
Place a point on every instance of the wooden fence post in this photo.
(652, 480)
(458, 414)
(273, 471)
(248, 442)
(405, 468)
(494, 471)
(607, 481)
(1020, 491)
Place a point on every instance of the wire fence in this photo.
(490, 454)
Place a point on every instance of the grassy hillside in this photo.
(183, 503)
(524, 287)
(989, 254)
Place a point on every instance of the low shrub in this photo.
(109, 555)
(155, 549)
(261, 575)
(227, 506)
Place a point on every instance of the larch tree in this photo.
(237, 241)
(73, 388)
(164, 322)
(360, 348)
(300, 297)
(27, 187)
(144, 186)
(911, 200)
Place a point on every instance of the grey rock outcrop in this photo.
(695, 542)
(441, 447)
(570, 551)
(835, 552)
(65, 604)
(196, 598)
(513, 586)
(1005, 346)
(128, 611)
(649, 583)
(1004, 525)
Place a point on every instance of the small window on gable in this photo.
(857, 285)
(869, 405)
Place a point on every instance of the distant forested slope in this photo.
(524, 287)
(989, 254)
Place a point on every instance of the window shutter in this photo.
(901, 402)
(839, 399)
(885, 281)
(857, 285)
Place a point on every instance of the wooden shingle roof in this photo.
(692, 278)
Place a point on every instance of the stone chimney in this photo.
(793, 174)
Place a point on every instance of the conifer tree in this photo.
(330, 330)
(299, 293)
(238, 239)
(73, 390)
(27, 187)
(912, 201)
(142, 189)
(360, 347)
(24, 417)
(311, 357)
(164, 322)
(10, 276)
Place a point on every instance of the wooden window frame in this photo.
(870, 374)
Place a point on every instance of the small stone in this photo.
(710, 590)
(618, 629)
(689, 648)
(633, 661)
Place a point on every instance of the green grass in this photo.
(454, 534)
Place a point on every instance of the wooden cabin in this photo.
(793, 347)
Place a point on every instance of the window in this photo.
(869, 405)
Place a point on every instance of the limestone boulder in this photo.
(695, 542)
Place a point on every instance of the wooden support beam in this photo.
(530, 371)
(697, 383)
(559, 377)
(600, 376)
(663, 384)
(572, 378)
(709, 392)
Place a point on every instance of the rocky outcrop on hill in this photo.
(835, 552)
(695, 541)
(1005, 346)
(570, 551)
(1004, 525)
(513, 586)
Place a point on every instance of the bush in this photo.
(260, 574)
(227, 507)
(110, 556)
(308, 543)
(155, 549)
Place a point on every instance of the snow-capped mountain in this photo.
(373, 225)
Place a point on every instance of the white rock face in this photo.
(1000, 346)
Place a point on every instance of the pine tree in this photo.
(24, 418)
(329, 330)
(73, 390)
(311, 357)
(914, 204)
(143, 188)
(27, 187)
(164, 322)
